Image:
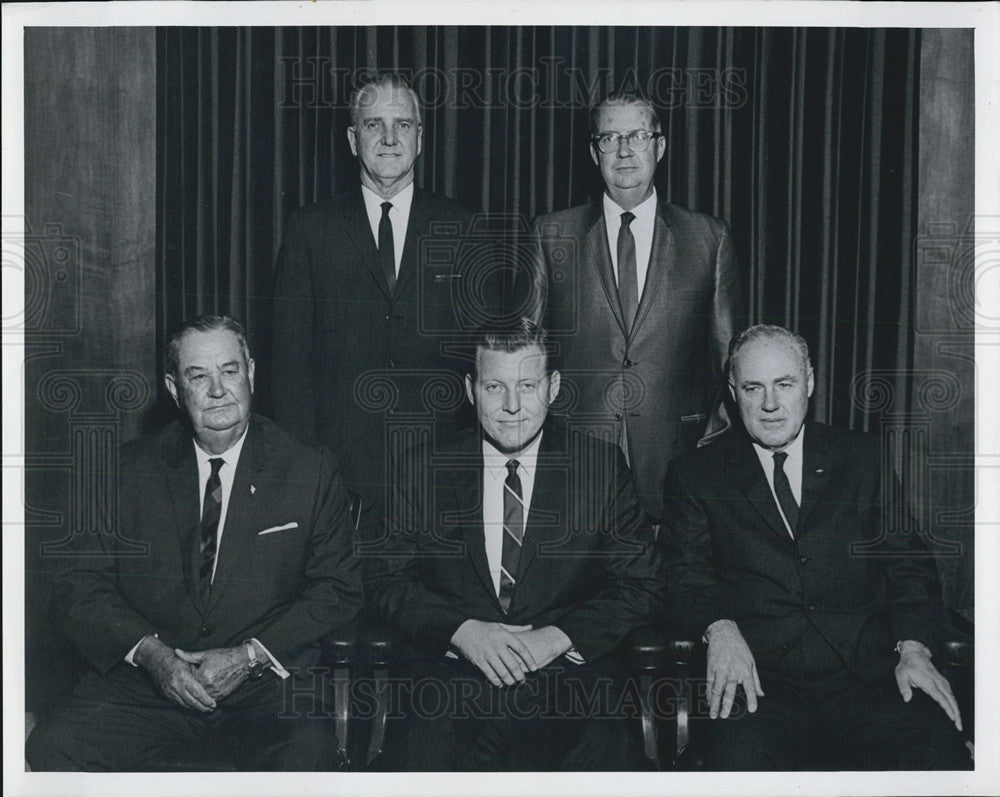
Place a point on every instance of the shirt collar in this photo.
(793, 449)
(400, 202)
(230, 456)
(643, 212)
(495, 460)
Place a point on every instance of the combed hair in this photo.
(767, 332)
(624, 98)
(203, 323)
(393, 79)
(510, 338)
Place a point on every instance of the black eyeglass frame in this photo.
(618, 137)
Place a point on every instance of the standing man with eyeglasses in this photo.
(642, 297)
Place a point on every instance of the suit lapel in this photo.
(751, 479)
(410, 262)
(359, 232)
(816, 469)
(599, 253)
(466, 490)
(548, 515)
(241, 512)
(661, 259)
(183, 490)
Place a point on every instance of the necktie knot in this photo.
(216, 463)
(779, 459)
(627, 218)
(386, 207)
(512, 466)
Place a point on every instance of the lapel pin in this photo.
(252, 489)
(818, 470)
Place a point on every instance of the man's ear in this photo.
(352, 140)
(593, 154)
(420, 139)
(250, 370)
(661, 147)
(810, 383)
(555, 380)
(468, 390)
(168, 380)
(732, 391)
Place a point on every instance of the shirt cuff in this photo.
(573, 656)
(911, 644)
(280, 671)
(130, 656)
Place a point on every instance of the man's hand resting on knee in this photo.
(730, 663)
(173, 676)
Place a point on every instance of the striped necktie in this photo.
(513, 533)
(210, 514)
(783, 490)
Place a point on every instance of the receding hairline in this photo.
(394, 84)
(625, 102)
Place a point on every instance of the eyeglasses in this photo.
(638, 140)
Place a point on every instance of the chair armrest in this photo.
(645, 650)
(339, 647)
(959, 654)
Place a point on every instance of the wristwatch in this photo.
(256, 667)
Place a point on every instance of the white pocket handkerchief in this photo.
(286, 527)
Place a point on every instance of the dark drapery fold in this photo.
(804, 139)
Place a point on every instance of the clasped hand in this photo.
(194, 680)
(730, 663)
(506, 653)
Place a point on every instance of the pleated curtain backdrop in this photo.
(803, 139)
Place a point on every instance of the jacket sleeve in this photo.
(728, 319)
(396, 593)
(292, 322)
(695, 598)
(332, 593)
(633, 592)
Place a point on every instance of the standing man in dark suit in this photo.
(518, 559)
(778, 555)
(231, 559)
(641, 297)
(361, 313)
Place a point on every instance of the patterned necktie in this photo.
(628, 284)
(210, 514)
(784, 491)
(387, 248)
(513, 533)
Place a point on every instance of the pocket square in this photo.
(286, 527)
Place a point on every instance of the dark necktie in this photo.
(387, 248)
(210, 514)
(784, 491)
(513, 533)
(628, 284)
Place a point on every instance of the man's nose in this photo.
(624, 148)
(389, 135)
(512, 402)
(770, 403)
(215, 388)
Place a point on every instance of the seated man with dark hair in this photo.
(517, 559)
(231, 559)
(777, 555)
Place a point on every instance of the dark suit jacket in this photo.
(588, 565)
(286, 588)
(729, 555)
(347, 356)
(663, 376)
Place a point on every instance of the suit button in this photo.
(392, 363)
(811, 607)
(205, 630)
(618, 416)
(803, 560)
(628, 363)
(388, 318)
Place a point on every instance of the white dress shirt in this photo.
(399, 217)
(792, 468)
(494, 475)
(642, 227)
